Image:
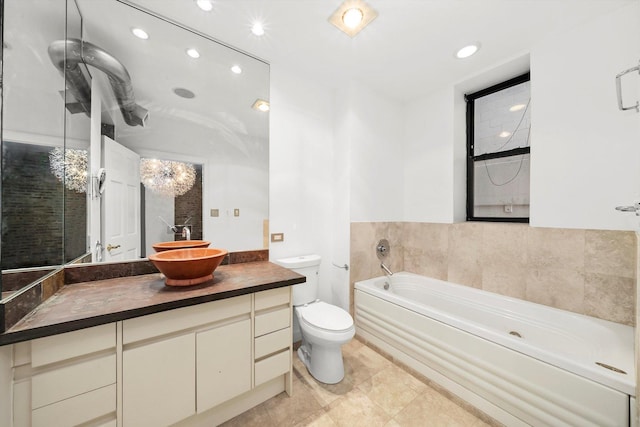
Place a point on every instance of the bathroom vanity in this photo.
(133, 352)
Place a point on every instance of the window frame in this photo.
(471, 159)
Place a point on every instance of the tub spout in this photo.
(386, 269)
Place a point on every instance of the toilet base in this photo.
(325, 364)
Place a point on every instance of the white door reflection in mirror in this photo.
(121, 202)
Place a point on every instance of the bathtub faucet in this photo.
(386, 269)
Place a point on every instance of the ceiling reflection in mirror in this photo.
(146, 144)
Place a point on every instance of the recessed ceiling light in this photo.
(236, 69)
(352, 16)
(467, 51)
(193, 53)
(261, 105)
(504, 134)
(140, 33)
(184, 93)
(517, 107)
(257, 29)
(205, 5)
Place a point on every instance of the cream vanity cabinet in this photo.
(183, 361)
(191, 366)
(67, 379)
(204, 364)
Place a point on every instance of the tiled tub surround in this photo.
(591, 272)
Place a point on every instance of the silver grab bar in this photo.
(619, 89)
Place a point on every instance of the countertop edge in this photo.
(7, 338)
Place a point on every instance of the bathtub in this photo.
(521, 363)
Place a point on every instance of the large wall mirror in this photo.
(112, 142)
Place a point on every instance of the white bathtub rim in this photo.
(623, 359)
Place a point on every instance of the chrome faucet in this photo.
(186, 232)
(386, 269)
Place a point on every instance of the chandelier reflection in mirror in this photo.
(70, 167)
(167, 177)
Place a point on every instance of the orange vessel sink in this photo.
(185, 267)
(180, 244)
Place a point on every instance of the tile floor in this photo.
(375, 392)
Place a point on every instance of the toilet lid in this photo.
(326, 316)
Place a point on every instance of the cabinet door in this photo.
(223, 363)
(159, 382)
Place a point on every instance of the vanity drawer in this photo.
(272, 298)
(77, 410)
(72, 380)
(72, 344)
(270, 343)
(273, 366)
(171, 321)
(272, 321)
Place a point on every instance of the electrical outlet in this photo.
(277, 237)
(215, 212)
(508, 208)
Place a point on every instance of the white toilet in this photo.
(324, 327)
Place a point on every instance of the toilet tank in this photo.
(307, 265)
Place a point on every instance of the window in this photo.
(498, 151)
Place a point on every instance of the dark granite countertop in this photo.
(82, 305)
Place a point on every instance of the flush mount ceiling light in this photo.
(140, 33)
(517, 107)
(257, 29)
(193, 53)
(467, 51)
(205, 5)
(504, 134)
(261, 105)
(352, 16)
(236, 69)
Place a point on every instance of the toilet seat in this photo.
(327, 317)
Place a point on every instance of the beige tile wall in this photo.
(590, 272)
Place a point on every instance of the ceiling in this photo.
(406, 52)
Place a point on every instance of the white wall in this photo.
(301, 170)
(377, 135)
(585, 152)
(429, 158)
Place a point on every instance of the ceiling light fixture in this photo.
(467, 51)
(166, 177)
(140, 33)
(236, 69)
(70, 166)
(193, 53)
(352, 16)
(205, 5)
(517, 107)
(257, 29)
(261, 105)
(504, 134)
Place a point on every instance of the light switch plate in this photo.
(215, 212)
(236, 212)
(277, 237)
